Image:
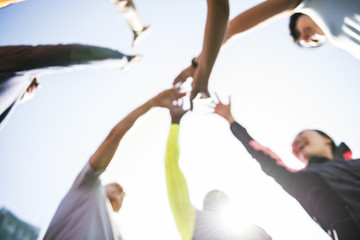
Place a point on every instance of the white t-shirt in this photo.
(85, 211)
(338, 19)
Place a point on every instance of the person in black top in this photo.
(328, 188)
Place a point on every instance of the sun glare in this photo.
(232, 219)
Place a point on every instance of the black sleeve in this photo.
(308, 188)
(270, 163)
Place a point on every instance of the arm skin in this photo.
(261, 13)
(184, 212)
(215, 29)
(104, 154)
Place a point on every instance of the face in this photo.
(310, 34)
(116, 194)
(310, 143)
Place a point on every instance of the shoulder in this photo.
(88, 177)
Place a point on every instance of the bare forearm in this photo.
(260, 14)
(229, 118)
(106, 151)
(103, 156)
(215, 29)
(257, 15)
(124, 125)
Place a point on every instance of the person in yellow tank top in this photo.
(193, 223)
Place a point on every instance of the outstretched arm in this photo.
(261, 13)
(270, 163)
(104, 154)
(178, 192)
(215, 29)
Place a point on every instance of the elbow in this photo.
(117, 133)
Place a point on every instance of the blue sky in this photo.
(277, 90)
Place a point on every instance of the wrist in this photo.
(230, 118)
(194, 63)
(175, 121)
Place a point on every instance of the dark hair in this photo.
(292, 26)
(332, 143)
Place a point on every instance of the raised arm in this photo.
(104, 154)
(248, 20)
(270, 163)
(178, 192)
(215, 29)
(260, 14)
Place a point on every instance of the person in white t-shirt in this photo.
(86, 210)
